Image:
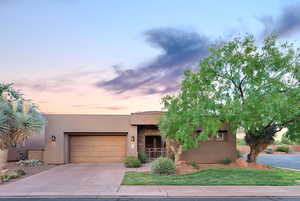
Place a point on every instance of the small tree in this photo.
(19, 118)
(245, 85)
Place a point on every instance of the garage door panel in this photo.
(99, 160)
(97, 149)
(99, 154)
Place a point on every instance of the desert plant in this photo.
(194, 165)
(143, 157)
(19, 118)
(6, 178)
(132, 162)
(30, 163)
(285, 149)
(20, 172)
(269, 150)
(12, 174)
(163, 165)
(225, 161)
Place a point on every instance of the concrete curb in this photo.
(145, 196)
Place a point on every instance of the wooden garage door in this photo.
(91, 149)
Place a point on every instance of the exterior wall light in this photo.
(53, 138)
(132, 139)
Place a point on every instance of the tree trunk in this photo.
(178, 153)
(175, 148)
(3, 158)
(260, 141)
(255, 149)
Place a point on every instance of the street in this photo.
(152, 199)
(281, 160)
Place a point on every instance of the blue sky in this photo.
(61, 48)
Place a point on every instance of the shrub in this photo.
(225, 161)
(163, 165)
(288, 141)
(285, 149)
(20, 172)
(278, 142)
(30, 163)
(194, 165)
(240, 141)
(132, 162)
(143, 157)
(239, 153)
(13, 174)
(269, 150)
(6, 178)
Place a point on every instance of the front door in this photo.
(154, 147)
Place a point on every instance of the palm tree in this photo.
(19, 119)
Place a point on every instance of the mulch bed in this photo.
(183, 168)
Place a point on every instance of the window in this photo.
(220, 136)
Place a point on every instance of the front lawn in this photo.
(226, 176)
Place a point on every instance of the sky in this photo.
(118, 57)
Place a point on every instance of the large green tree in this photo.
(245, 84)
(19, 118)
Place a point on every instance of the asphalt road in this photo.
(150, 199)
(281, 160)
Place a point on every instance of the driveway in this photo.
(281, 160)
(70, 179)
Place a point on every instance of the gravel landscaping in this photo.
(28, 170)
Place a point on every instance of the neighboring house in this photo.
(110, 138)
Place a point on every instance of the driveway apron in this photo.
(70, 179)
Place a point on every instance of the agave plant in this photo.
(19, 118)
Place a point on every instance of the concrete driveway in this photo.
(281, 160)
(70, 179)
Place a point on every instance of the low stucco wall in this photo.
(213, 151)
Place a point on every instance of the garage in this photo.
(94, 149)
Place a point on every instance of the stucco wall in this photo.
(56, 152)
(212, 151)
(61, 126)
(145, 118)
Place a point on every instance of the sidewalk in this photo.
(172, 191)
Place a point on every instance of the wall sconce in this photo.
(53, 138)
(132, 140)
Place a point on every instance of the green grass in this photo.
(210, 177)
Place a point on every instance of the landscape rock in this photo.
(242, 163)
(180, 163)
(3, 172)
(12, 174)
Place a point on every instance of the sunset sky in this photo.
(118, 57)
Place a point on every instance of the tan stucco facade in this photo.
(213, 151)
(54, 141)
